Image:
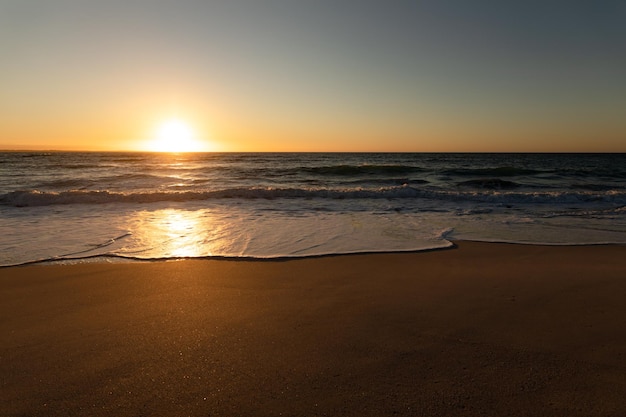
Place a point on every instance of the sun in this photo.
(175, 135)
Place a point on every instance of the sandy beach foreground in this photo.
(482, 329)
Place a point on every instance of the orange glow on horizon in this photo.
(176, 136)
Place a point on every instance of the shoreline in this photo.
(486, 328)
(106, 258)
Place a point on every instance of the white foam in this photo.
(166, 232)
(43, 198)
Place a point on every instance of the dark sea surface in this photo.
(60, 206)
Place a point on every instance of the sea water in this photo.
(77, 206)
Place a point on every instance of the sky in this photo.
(315, 75)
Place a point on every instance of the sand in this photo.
(479, 330)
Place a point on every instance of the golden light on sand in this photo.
(176, 135)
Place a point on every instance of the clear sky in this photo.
(315, 75)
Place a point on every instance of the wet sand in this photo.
(482, 329)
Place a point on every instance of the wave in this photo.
(82, 183)
(597, 213)
(66, 183)
(347, 170)
(73, 166)
(596, 187)
(504, 171)
(598, 172)
(304, 172)
(41, 198)
(34, 154)
(490, 184)
(386, 181)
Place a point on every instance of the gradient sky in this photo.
(315, 75)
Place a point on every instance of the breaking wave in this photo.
(488, 195)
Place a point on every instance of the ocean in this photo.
(78, 207)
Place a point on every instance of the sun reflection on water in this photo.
(173, 233)
(182, 233)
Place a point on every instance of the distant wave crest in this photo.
(504, 171)
(350, 170)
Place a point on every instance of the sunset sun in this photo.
(175, 135)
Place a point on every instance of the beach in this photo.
(478, 329)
